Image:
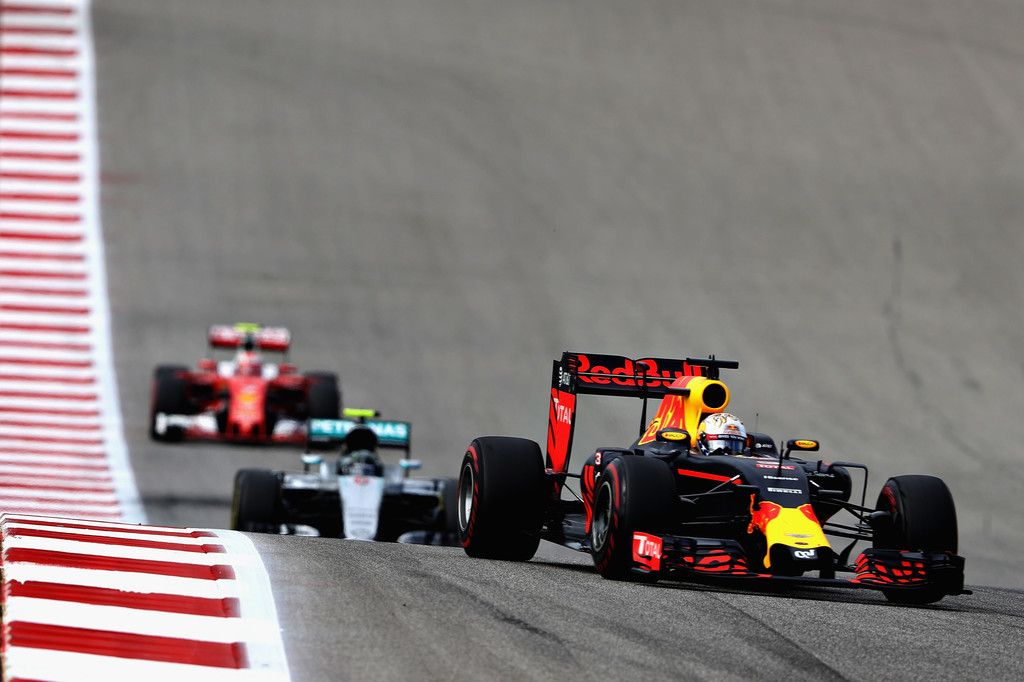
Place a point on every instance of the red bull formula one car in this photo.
(243, 398)
(659, 509)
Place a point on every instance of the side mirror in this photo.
(678, 437)
(287, 368)
(410, 464)
(801, 445)
(208, 365)
(310, 460)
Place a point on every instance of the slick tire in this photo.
(323, 395)
(633, 494)
(169, 396)
(254, 504)
(501, 494)
(450, 516)
(923, 520)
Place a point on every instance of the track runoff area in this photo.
(87, 593)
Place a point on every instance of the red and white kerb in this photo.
(62, 449)
(89, 600)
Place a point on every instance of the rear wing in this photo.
(331, 432)
(272, 339)
(613, 375)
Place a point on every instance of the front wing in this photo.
(701, 559)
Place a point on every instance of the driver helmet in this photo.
(722, 432)
(248, 364)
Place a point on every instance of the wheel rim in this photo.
(601, 525)
(465, 496)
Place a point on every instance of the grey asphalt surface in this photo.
(440, 196)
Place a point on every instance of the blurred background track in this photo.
(440, 196)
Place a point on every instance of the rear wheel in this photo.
(923, 520)
(633, 494)
(501, 497)
(254, 505)
(323, 395)
(169, 396)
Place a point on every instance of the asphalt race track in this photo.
(440, 196)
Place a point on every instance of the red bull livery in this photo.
(731, 506)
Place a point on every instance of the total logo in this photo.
(784, 467)
(563, 414)
(647, 545)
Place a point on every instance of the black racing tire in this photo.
(323, 396)
(169, 396)
(923, 520)
(450, 500)
(633, 494)
(254, 504)
(501, 498)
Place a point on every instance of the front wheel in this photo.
(501, 498)
(254, 504)
(923, 520)
(169, 396)
(633, 494)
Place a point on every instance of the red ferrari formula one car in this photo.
(244, 398)
(723, 504)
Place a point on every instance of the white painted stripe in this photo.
(139, 621)
(16, 496)
(81, 510)
(31, 353)
(60, 666)
(18, 186)
(27, 518)
(39, 468)
(125, 552)
(43, 20)
(41, 485)
(15, 528)
(43, 387)
(42, 371)
(43, 461)
(125, 581)
(48, 106)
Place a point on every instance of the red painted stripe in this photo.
(41, 217)
(40, 236)
(103, 540)
(43, 255)
(41, 177)
(78, 454)
(50, 310)
(53, 477)
(39, 115)
(42, 274)
(46, 557)
(53, 425)
(9, 483)
(51, 439)
(46, 362)
(44, 345)
(37, 30)
(49, 379)
(103, 596)
(46, 328)
(146, 530)
(39, 196)
(18, 8)
(42, 156)
(38, 135)
(52, 396)
(35, 291)
(701, 474)
(127, 645)
(29, 51)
